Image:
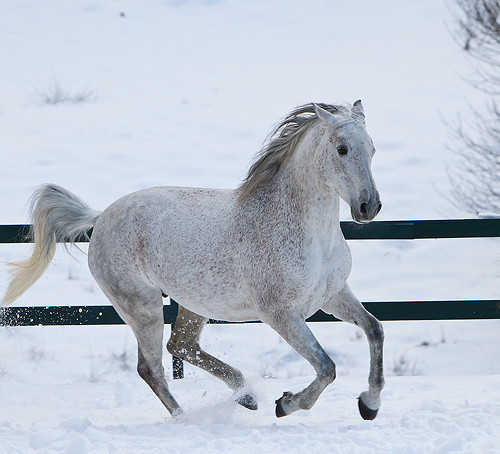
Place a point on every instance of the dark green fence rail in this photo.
(385, 311)
(376, 230)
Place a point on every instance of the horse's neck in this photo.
(305, 197)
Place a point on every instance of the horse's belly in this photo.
(229, 306)
(211, 289)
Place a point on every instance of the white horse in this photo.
(271, 250)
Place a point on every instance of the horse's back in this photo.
(154, 211)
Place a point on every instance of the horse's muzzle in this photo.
(366, 209)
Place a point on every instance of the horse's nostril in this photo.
(379, 207)
(362, 208)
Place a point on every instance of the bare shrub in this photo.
(475, 175)
(53, 94)
(404, 367)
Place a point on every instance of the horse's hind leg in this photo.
(185, 343)
(142, 310)
(347, 307)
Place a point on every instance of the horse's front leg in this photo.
(295, 331)
(348, 308)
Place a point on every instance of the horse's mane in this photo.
(280, 146)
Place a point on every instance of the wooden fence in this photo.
(378, 230)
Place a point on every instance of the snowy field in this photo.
(105, 98)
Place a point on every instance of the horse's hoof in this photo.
(366, 412)
(280, 411)
(179, 416)
(248, 401)
(279, 408)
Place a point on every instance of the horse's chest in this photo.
(330, 268)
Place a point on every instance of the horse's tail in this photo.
(57, 216)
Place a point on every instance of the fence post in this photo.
(177, 364)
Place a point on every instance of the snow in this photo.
(183, 93)
(437, 420)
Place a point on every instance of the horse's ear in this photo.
(325, 116)
(357, 108)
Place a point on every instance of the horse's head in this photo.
(343, 160)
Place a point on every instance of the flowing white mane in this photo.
(282, 141)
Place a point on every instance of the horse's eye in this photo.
(342, 149)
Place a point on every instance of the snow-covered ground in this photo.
(183, 93)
